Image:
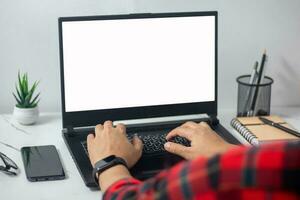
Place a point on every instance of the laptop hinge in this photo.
(158, 120)
(69, 130)
(214, 120)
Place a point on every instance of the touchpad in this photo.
(149, 166)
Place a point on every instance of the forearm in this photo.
(112, 175)
(219, 175)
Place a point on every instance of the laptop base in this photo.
(147, 166)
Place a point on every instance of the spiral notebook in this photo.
(253, 130)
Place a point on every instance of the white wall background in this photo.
(29, 42)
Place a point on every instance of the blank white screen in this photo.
(138, 62)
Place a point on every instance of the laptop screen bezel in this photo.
(93, 117)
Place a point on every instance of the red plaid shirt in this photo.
(270, 171)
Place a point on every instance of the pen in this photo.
(261, 69)
(277, 125)
(249, 93)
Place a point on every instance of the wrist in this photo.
(220, 148)
(226, 146)
(112, 175)
(106, 163)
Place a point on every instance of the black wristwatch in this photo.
(107, 163)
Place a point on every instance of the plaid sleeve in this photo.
(269, 171)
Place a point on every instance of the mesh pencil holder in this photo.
(253, 99)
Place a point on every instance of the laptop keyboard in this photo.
(152, 143)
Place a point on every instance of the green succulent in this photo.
(24, 93)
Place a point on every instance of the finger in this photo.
(108, 124)
(98, 129)
(121, 127)
(189, 124)
(89, 139)
(137, 144)
(177, 149)
(204, 124)
(181, 131)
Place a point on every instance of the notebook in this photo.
(252, 129)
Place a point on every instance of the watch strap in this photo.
(102, 165)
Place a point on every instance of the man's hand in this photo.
(113, 141)
(204, 141)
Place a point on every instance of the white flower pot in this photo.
(26, 116)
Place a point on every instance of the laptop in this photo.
(152, 72)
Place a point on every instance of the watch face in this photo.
(109, 159)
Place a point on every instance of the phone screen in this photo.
(42, 163)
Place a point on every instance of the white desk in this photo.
(48, 131)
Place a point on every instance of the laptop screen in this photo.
(124, 63)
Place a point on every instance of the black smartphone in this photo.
(42, 163)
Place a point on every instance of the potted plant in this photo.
(26, 110)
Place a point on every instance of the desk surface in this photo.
(48, 131)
